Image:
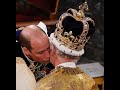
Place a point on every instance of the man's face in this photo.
(40, 50)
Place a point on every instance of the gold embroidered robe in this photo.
(65, 78)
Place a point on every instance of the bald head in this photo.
(32, 30)
(29, 33)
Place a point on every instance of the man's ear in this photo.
(26, 51)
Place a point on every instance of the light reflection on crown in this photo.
(72, 31)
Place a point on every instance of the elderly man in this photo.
(72, 32)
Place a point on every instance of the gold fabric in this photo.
(65, 78)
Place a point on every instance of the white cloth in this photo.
(25, 79)
(68, 64)
(43, 27)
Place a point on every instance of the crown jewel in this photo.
(72, 28)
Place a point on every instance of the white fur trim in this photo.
(67, 64)
(65, 49)
(43, 27)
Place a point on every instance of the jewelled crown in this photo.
(73, 31)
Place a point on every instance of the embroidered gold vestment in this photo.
(65, 78)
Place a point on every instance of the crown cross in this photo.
(84, 6)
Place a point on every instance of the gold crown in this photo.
(70, 38)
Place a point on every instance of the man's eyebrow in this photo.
(40, 52)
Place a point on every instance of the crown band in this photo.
(65, 49)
